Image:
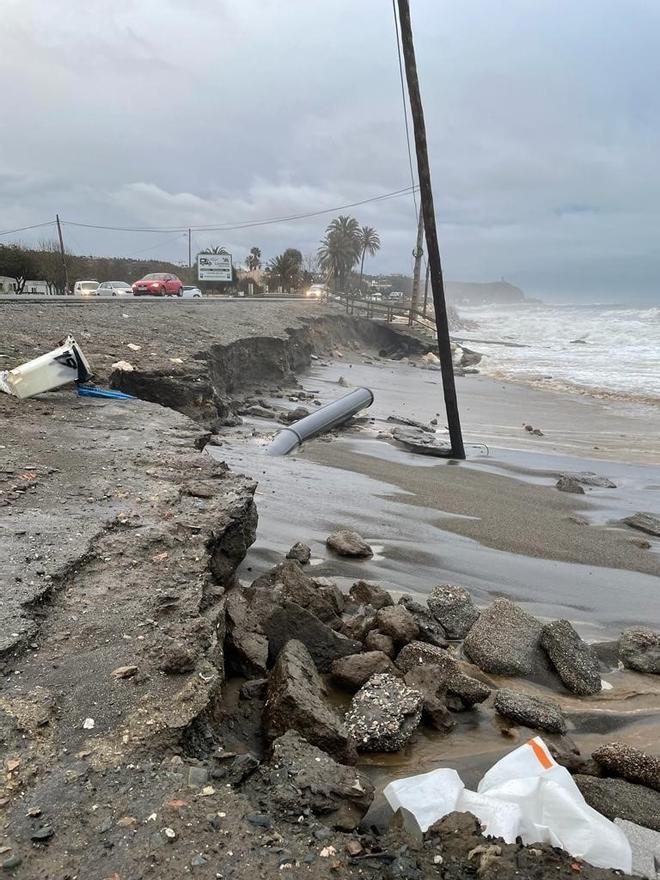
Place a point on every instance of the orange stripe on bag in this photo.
(543, 759)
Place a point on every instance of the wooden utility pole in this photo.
(417, 254)
(426, 195)
(189, 249)
(62, 254)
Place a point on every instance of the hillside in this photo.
(475, 293)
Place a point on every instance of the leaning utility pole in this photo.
(417, 254)
(66, 271)
(426, 195)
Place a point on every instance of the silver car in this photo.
(190, 292)
(114, 288)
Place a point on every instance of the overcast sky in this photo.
(543, 120)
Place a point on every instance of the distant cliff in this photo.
(477, 293)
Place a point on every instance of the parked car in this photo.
(85, 288)
(158, 284)
(190, 292)
(316, 291)
(114, 288)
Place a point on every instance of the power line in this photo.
(405, 105)
(249, 224)
(25, 228)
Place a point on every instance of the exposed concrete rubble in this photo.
(384, 714)
(453, 608)
(296, 701)
(576, 663)
(619, 759)
(505, 640)
(639, 648)
(531, 711)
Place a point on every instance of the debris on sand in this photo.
(417, 440)
(300, 552)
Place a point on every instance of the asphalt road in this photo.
(67, 300)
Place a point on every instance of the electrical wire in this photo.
(249, 224)
(405, 106)
(25, 228)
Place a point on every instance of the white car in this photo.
(85, 288)
(189, 292)
(114, 288)
(316, 291)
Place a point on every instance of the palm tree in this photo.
(215, 250)
(340, 249)
(369, 244)
(286, 267)
(254, 259)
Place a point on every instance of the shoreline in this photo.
(122, 545)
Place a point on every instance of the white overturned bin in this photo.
(58, 367)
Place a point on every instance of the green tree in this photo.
(340, 249)
(215, 250)
(285, 269)
(254, 259)
(369, 244)
(16, 263)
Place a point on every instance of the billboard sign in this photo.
(214, 267)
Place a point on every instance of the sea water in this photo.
(604, 350)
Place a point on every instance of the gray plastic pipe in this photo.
(323, 419)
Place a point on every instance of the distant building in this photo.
(40, 288)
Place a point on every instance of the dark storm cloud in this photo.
(543, 126)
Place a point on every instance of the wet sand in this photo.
(495, 523)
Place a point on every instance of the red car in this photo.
(158, 284)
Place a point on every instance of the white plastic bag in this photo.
(525, 794)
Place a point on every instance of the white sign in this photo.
(214, 267)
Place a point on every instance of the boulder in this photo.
(296, 701)
(300, 552)
(462, 691)
(618, 799)
(345, 542)
(378, 641)
(398, 623)
(430, 630)
(246, 646)
(331, 593)
(505, 640)
(588, 478)
(300, 777)
(531, 711)
(619, 759)
(357, 623)
(639, 649)
(291, 621)
(569, 484)
(288, 580)
(434, 709)
(644, 522)
(353, 671)
(384, 714)
(365, 593)
(452, 606)
(293, 415)
(575, 661)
